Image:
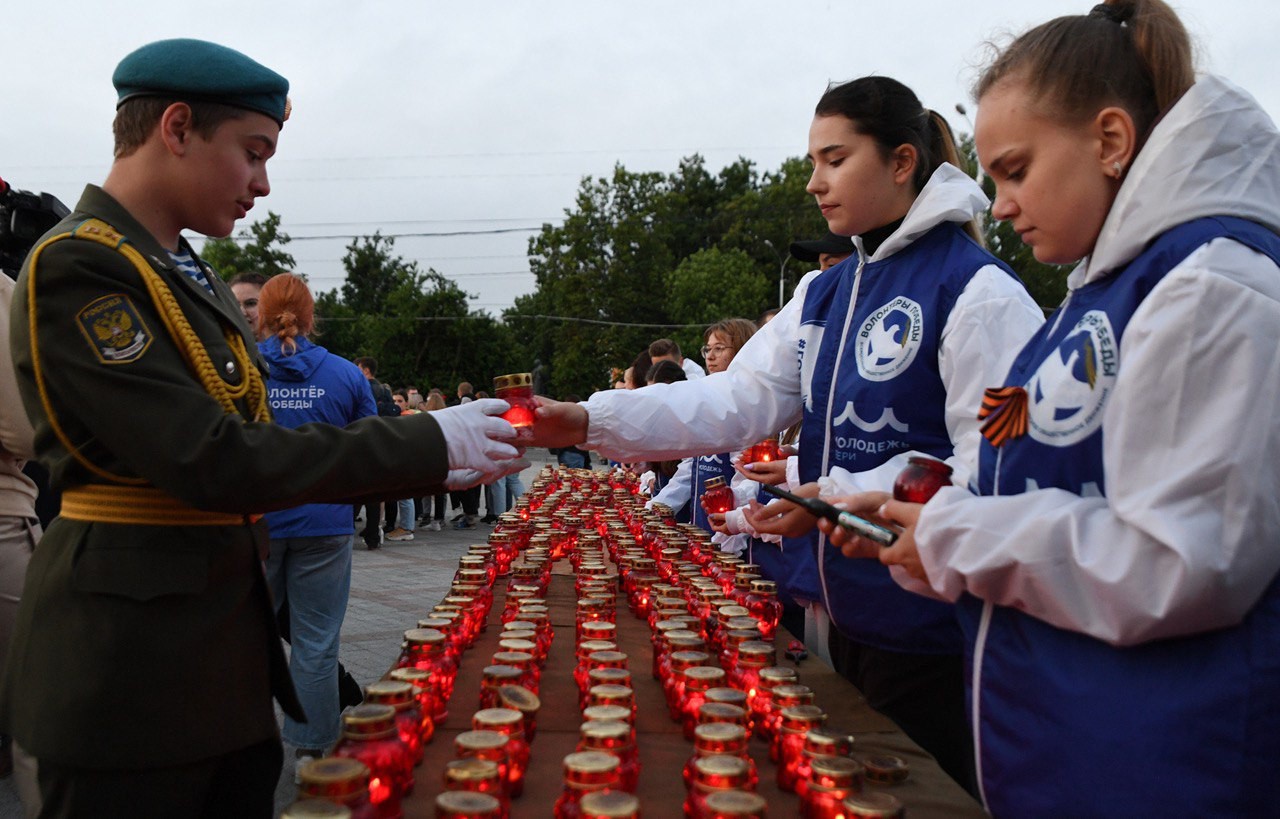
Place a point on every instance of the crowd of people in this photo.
(1085, 622)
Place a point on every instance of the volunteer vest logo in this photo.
(114, 329)
(809, 344)
(889, 339)
(1068, 392)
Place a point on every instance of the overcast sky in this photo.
(430, 118)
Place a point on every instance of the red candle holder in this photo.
(797, 721)
(820, 743)
(414, 727)
(487, 745)
(720, 739)
(831, 781)
(785, 696)
(765, 607)
(697, 681)
(369, 735)
(425, 648)
(762, 705)
(477, 776)
(509, 723)
(341, 780)
(585, 772)
(921, 479)
(714, 774)
(517, 390)
(717, 497)
(614, 738)
(763, 452)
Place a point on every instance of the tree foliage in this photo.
(416, 324)
(262, 252)
(612, 264)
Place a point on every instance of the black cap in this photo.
(810, 250)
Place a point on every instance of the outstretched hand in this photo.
(558, 424)
(782, 517)
(769, 472)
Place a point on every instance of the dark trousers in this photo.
(241, 783)
(922, 693)
(471, 502)
(370, 531)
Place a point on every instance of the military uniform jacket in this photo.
(149, 645)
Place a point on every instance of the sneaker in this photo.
(399, 535)
(458, 517)
(301, 757)
(467, 522)
(435, 526)
(489, 519)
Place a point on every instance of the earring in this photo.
(1117, 169)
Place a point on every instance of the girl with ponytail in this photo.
(309, 557)
(1117, 578)
(881, 356)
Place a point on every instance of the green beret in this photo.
(196, 70)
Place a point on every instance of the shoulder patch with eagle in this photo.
(114, 329)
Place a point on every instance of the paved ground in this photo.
(390, 589)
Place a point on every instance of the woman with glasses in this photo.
(722, 342)
(882, 355)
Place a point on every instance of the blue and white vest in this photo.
(1068, 725)
(872, 389)
(706, 467)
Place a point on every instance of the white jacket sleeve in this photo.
(991, 321)
(1186, 540)
(677, 491)
(757, 396)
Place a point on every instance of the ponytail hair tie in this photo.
(1106, 11)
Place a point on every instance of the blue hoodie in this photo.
(314, 386)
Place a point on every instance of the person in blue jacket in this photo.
(882, 355)
(309, 562)
(1116, 574)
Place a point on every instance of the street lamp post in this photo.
(782, 273)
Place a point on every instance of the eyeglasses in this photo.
(717, 350)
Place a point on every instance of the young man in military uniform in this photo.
(145, 654)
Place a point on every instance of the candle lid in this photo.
(720, 732)
(736, 803)
(513, 645)
(519, 698)
(605, 729)
(873, 805)
(591, 762)
(423, 636)
(480, 740)
(332, 770)
(468, 803)
(886, 769)
(316, 809)
(471, 769)
(609, 804)
(607, 656)
(415, 676)
(369, 720)
(512, 658)
(502, 672)
(837, 771)
(506, 382)
(496, 716)
(391, 692)
(724, 695)
(607, 713)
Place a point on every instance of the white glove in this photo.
(477, 439)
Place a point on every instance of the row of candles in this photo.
(712, 621)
